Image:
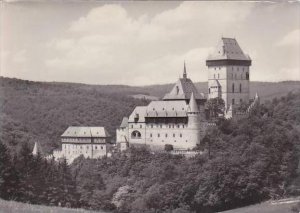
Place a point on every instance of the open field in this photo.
(16, 207)
(281, 206)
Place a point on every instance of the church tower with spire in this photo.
(229, 73)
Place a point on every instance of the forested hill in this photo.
(41, 111)
(35, 111)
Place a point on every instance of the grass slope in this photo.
(16, 207)
(268, 207)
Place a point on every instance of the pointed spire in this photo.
(184, 71)
(193, 104)
(35, 149)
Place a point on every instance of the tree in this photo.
(9, 179)
(215, 107)
(168, 147)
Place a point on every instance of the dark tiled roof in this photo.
(183, 90)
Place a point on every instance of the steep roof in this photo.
(228, 48)
(177, 108)
(124, 122)
(182, 90)
(193, 104)
(83, 131)
(37, 149)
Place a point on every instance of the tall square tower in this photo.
(228, 73)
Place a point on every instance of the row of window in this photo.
(161, 126)
(243, 76)
(232, 68)
(136, 135)
(166, 135)
(80, 147)
(233, 88)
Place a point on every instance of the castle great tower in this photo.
(228, 73)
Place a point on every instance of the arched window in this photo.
(240, 87)
(136, 134)
(233, 88)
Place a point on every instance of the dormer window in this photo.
(177, 90)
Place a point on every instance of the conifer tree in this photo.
(9, 179)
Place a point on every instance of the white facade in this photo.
(90, 142)
(178, 120)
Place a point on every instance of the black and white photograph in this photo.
(149, 106)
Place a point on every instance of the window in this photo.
(237, 69)
(219, 68)
(247, 75)
(158, 135)
(233, 88)
(166, 135)
(241, 100)
(151, 125)
(180, 135)
(214, 75)
(218, 75)
(101, 147)
(208, 90)
(178, 126)
(160, 126)
(240, 87)
(131, 126)
(233, 101)
(174, 135)
(136, 134)
(95, 147)
(242, 76)
(177, 90)
(141, 126)
(231, 75)
(150, 135)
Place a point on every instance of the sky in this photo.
(143, 43)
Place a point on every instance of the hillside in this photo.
(41, 111)
(35, 111)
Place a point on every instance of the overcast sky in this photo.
(142, 43)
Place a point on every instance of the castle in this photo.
(178, 121)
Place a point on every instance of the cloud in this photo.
(291, 39)
(20, 56)
(108, 45)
